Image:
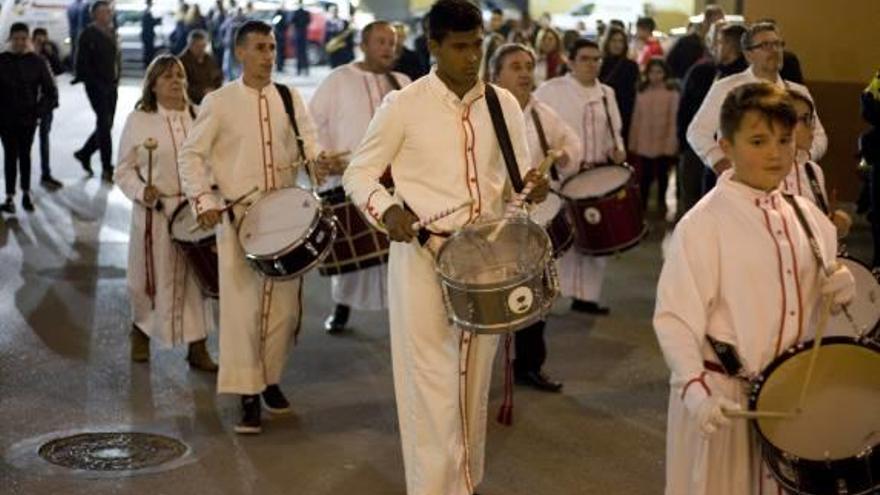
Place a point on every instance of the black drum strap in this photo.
(814, 244)
(503, 136)
(395, 85)
(816, 188)
(287, 99)
(542, 139)
(608, 117)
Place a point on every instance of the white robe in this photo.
(560, 136)
(739, 268)
(178, 313)
(342, 107)
(704, 130)
(243, 139)
(442, 150)
(582, 108)
(798, 182)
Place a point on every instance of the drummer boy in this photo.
(739, 271)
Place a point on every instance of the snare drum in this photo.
(498, 286)
(831, 446)
(865, 306)
(198, 246)
(358, 244)
(552, 215)
(286, 233)
(604, 206)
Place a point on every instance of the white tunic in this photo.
(243, 139)
(176, 314)
(442, 150)
(798, 182)
(739, 268)
(559, 136)
(342, 107)
(583, 108)
(704, 130)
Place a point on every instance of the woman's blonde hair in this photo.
(160, 64)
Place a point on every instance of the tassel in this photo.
(149, 275)
(505, 413)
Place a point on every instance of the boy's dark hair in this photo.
(748, 37)
(249, 27)
(646, 23)
(448, 16)
(96, 5)
(772, 103)
(18, 27)
(734, 33)
(40, 31)
(580, 44)
(798, 96)
(656, 62)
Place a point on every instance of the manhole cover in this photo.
(124, 451)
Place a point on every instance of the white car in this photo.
(583, 17)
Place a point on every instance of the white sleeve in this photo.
(195, 172)
(686, 292)
(820, 140)
(321, 108)
(125, 175)
(562, 137)
(379, 147)
(701, 132)
(307, 130)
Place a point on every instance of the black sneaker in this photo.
(335, 323)
(589, 307)
(107, 175)
(26, 202)
(8, 206)
(51, 183)
(275, 401)
(250, 423)
(85, 162)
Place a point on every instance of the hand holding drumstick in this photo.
(151, 193)
(208, 219)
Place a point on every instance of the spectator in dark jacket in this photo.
(408, 61)
(148, 33)
(338, 39)
(49, 51)
(301, 20)
(280, 24)
(27, 92)
(203, 74)
(692, 47)
(621, 73)
(75, 24)
(97, 65)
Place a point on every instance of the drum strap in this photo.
(287, 99)
(503, 136)
(608, 117)
(542, 139)
(814, 244)
(816, 188)
(392, 81)
(727, 356)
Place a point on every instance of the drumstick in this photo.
(520, 197)
(814, 352)
(416, 226)
(730, 413)
(228, 206)
(150, 145)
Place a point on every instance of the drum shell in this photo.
(358, 244)
(201, 256)
(858, 475)
(561, 232)
(616, 222)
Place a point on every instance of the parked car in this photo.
(50, 15)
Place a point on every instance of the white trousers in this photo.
(365, 290)
(581, 276)
(441, 380)
(258, 319)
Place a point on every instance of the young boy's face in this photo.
(762, 154)
(803, 131)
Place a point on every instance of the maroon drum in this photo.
(358, 244)
(551, 215)
(604, 204)
(198, 246)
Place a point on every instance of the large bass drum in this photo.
(198, 246)
(498, 280)
(831, 446)
(865, 306)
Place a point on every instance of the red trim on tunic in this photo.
(465, 344)
(369, 94)
(797, 280)
(701, 380)
(271, 170)
(370, 209)
(781, 277)
(260, 99)
(474, 158)
(464, 119)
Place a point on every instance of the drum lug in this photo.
(311, 249)
(841, 487)
(279, 266)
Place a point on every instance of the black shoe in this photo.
(250, 423)
(50, 183)
(589, 307)
(538, 380)
(107, 175)
(335, 323)
(8, 206)
(275, 401)
(85, 162)
(26, 202)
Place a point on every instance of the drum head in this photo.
(543, 213)
(864, 308)
(841, 413)
(183, 223)
(470, 258)
(596, 182)
(277, 221)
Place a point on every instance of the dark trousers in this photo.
(302, 54)
(149, 51)
(651, 169)
(103, 100)
(45, 129)
(17, 142)
(689, 180)
(280, 48)
(531, 350)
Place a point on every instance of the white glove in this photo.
(840, 286)
(708, 410)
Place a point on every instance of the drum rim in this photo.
(285, 251)
(601, 196)
(199, 242)
(259, 262)
(502, 328)
(617, 249)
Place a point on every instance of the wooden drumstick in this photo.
(520, 197)
(814, 352)
(416, 226)
(230, 205)
(150, 145)
(730, 413)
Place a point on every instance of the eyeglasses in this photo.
(768, 45)
(806, 119)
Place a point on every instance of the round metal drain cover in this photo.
(123, 451)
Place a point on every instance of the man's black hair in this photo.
(580, 44)
(448, 16)
(249, 27)
(18, 27)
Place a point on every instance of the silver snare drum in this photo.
(501, 284)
